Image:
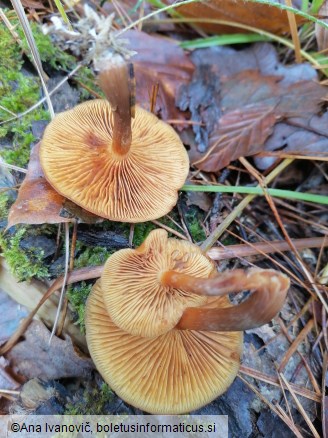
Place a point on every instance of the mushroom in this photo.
(161, 328)
(174, 373)
(111, 164)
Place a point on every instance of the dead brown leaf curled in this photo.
(241, 132)
(257, 15)
(37, 201)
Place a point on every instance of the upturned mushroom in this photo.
(161, 329)
(115, 161)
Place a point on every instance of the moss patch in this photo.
(77, 297)
(23, 264)
(19, 91)
(94, 402)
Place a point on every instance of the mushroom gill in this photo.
(174, 373)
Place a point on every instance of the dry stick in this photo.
(294, 344)
(293, 156)
(296, 317)
(277, 410)
(61, 323)
(73, 277)
(214, 236)
(284, 231)
(285, 398)
(12, 167)
(170, 230)
(293, 31)
(304, 392)
(153, 97)
(62, 292)
(300, 407)
(250, 249)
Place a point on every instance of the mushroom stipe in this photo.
(161, 329)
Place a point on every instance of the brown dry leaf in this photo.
(298, 136)
(321, 33)
(33, 4)
(33, 357)
(37, 201)
(161, 61)
(241, 98)
(241, 132)
(257, 15)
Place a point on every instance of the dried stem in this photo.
(115, 82)
(270, 288)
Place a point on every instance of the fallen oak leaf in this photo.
(306, 137)
(34, 357)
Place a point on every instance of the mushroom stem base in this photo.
(270, 288)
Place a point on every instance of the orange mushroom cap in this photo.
(173, 373)
(160, 326)
(134, 295)
(79, 162)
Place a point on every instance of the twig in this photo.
(300, 408)
(304, 392)
(250, 249)
(214, 236)
(284, 417)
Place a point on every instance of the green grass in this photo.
(286, 194)
(222, 40)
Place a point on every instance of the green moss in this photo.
(94, 402)
(91, 255)
(19, 91)
(141, 231)
(23, 264)
(4, 204)
(77, 297)
(193, 220)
